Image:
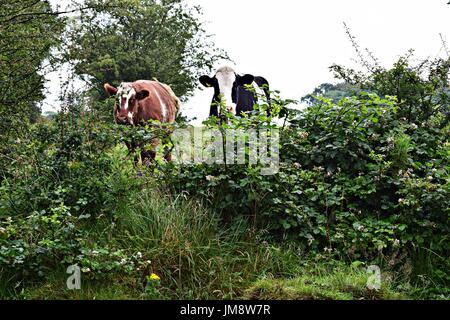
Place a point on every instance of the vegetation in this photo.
(25, 53)
(363, 180)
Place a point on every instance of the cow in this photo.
(140, 101)
(229, 89)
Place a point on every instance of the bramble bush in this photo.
(358, 172)
(346, 174)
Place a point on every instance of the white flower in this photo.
(94, 253)
(86, 270)
(139, 255)
(304, 135)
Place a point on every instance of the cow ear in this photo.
(245, 79)
(207, 81)
(110, 90)
(141, 95)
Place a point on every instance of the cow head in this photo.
(127, 100)
(226, 83)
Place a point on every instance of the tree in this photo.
(28, 31)
(126, 40)
(335, 92)
(422, 89)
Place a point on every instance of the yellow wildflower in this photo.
(154, 277)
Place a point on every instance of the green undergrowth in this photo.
(197, 257)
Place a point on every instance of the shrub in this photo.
(62, 183)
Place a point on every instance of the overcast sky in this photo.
(292, 43)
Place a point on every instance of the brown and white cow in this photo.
(143, 100)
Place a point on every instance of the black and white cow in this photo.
(229, 87)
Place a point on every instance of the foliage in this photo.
(28, 31)
(62, 181)
(422, 90)
(355, 159)
(232, 189)
(137, 231)
(335, 92)
(349, 183)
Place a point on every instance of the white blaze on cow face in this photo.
(125, 93)
(226, 77)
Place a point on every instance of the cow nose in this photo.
(121, 119)
(230, 109)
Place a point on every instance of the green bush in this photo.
(63, 182)
(351, 179)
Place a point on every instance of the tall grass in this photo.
(196, 256)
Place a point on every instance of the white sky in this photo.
(293, 42)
